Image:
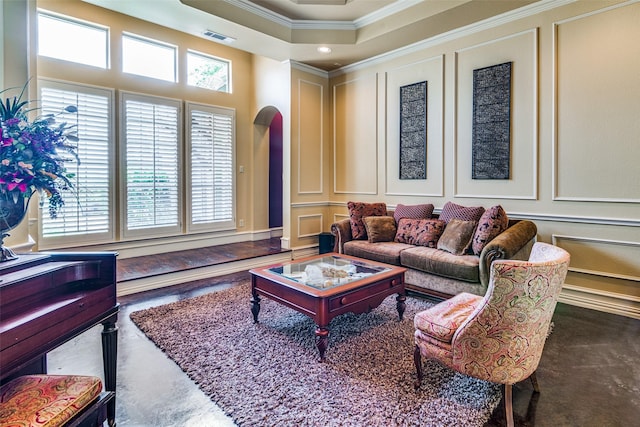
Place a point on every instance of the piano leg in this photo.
(109, 360)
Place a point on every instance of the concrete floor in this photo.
(589, 373)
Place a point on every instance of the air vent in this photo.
(218, 37)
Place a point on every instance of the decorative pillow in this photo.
(492, 222)
(421, 232)
(457, 236)
(413, 211)
(451, 210)
(380, 228)
(359, 210)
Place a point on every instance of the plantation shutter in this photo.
(212, 186)
(152, 164)
(86, 209)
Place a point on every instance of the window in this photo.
(87, 216)
(151, 138)
(63, 38)
(211, 133)
(150, 58)
(208, 72)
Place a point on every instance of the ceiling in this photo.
(283, 30)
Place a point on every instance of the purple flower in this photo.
(29, 153)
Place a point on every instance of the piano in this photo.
(46, 299)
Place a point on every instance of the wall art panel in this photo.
(493, 160)
(491, 134)
(413, 131)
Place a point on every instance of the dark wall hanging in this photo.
(491, 135)
(413, 131)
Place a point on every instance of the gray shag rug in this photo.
(268, 374)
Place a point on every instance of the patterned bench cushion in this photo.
(46, 400)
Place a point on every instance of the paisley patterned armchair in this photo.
(498, 337)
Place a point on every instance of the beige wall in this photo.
(576, 98)
(241, 100)
(272, 83)
(574, 138)
(309, 181)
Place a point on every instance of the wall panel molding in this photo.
(576, 219)
(311, 204)
(533, 216)
(311, 125)
(608, 258)
(430, 70)
(355, 137)
(309, 225)
(604, 103)
(340, 217)
(521, 49)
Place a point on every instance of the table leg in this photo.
(255, 306)
(109, 360)
(322, 340)
(400, 304)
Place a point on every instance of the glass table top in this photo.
(327, 272)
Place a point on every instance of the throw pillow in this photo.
(359, 210)
(421, 232)
(380, 228)
(413, 211)
(457, 236)
(492, 222)
(451, 210)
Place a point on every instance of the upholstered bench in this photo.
(53, 400)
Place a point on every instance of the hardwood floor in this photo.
(155, 265)
(589, 373)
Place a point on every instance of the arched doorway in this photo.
(272, 118)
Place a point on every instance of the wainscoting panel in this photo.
(600, 257)
(310, 137)
(309, 225)
(522, 50)
(339, 217)
(431, 71)
(355, 142)
(599, 264)
(596, 121)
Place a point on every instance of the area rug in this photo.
(269, 374)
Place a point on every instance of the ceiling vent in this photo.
(218, 37)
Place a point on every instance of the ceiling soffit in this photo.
(252, 14)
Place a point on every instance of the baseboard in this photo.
(608, 302)
(170, 279)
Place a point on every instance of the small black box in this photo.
(325, 242)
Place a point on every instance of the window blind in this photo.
(86, 210)
(212, 139)
(152, 164)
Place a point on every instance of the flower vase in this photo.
(12, 212)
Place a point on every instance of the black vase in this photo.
(12, 212)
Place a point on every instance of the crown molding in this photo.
(307, 68)
(471, 29)
(304, 24)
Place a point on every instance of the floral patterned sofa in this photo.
(444, 254)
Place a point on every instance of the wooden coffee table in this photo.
(328, 285)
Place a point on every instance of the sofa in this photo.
(444, 254)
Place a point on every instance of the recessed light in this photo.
(324, 49)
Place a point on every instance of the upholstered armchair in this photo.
(498, 337)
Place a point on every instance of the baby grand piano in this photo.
(47, 299)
